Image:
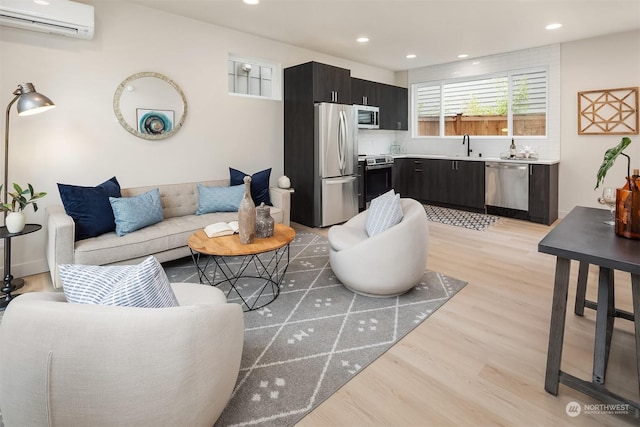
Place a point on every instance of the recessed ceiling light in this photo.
(41, 2)
(411, 56)
(462, 55)
(553, 26)
(251, 2)
(362, 39)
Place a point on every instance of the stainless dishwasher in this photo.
(507, 186)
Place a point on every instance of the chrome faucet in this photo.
(467, 141)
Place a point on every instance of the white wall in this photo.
(80, 141)
(607, 62)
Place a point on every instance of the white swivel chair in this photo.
(387, 264)
(64, 364)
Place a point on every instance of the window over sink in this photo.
(511, 103)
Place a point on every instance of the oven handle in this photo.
(384, 166)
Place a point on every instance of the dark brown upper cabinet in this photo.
(365, 92)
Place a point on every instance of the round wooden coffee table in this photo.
(253, 271)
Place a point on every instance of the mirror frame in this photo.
(116, 105)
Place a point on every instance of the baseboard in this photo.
(27, 268)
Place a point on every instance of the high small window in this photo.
(509, 104)
(254, 78)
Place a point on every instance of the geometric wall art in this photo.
(609, 111)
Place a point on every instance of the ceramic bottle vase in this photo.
(264, 221)
(247, 215)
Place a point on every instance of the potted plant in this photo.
(627, 213)
(15, 218)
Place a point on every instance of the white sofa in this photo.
(65, 364)
(166, 240)
(387, 264)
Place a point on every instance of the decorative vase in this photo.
(15, 221)
(264, 221)
(628, 209)
(247, 215)
(284, 182)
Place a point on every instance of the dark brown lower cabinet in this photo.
(461, 184)
(543, 193)
(456, 183)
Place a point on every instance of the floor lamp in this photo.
(28, 102)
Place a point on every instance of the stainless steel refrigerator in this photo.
(336, 163)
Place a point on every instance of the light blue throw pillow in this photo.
(384, 212)
(134, 213)
(142, 285)
(219, 199)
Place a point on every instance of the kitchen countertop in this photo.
(475, 158)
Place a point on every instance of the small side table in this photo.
(10, 284)
(263, 263)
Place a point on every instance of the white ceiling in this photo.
(435, 30)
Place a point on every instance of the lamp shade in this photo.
(31, 102)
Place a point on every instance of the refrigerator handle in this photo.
(342, 136)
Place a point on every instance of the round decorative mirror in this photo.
(150, 105)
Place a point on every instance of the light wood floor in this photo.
(480, 359)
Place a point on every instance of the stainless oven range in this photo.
(378, 172)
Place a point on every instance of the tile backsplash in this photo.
(376, 141)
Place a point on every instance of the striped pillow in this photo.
(384, 212)
(142, 285)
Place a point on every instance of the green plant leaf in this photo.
(18, 200)
(609, 159)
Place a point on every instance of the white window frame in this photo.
(508, 74)
(276, 77)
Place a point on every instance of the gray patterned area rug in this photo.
(316, 335)
(470, 220)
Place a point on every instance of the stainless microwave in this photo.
(368, 117)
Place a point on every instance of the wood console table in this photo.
(583, 236)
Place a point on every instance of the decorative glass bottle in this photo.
(264, 221)
(247, 215)
(628, 208)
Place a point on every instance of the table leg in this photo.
(556, 329)
(635, 291)
(581, 290)
(605, 316)
(8, 285)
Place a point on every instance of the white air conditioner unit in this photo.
(62, 17)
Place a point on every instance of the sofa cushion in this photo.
(142, 285)
(219, 199)
(134, 213)
(89, 207)
(259, 184)
(384, 212)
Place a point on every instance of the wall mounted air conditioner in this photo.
(62, 17)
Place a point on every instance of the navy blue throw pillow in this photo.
(259, 184)
(90, 208)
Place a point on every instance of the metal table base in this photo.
(255, 278)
